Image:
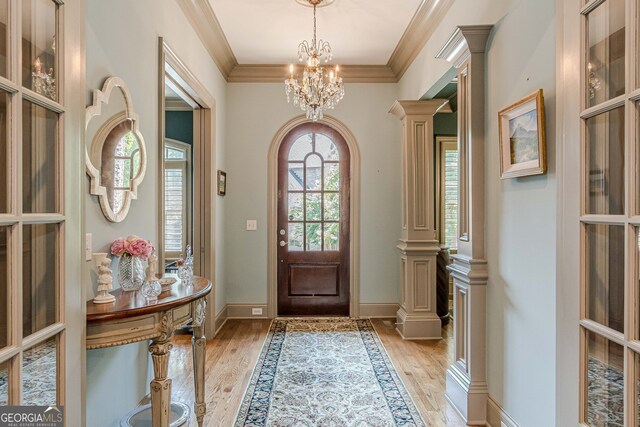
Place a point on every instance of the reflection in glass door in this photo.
(610, 217)
(32, 218)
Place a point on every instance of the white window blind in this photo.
(175, 191)
(177, 198)
(449, 195)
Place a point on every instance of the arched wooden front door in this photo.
(313, 222)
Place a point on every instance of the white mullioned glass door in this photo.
(32, 208)
(610, 215)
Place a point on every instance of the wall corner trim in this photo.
(497, 417)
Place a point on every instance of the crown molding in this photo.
(206, 25)
(279, 72)
(402, 109)
(465, 40)
(420, 29)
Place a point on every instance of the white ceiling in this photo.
(361, 32)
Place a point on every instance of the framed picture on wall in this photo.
(522, 137)
(222, 183)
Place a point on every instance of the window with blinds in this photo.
(177, 198)
(449, 194)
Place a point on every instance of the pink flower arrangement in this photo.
(132, 245)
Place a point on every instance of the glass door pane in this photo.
(39, 374)
(4, 36)
(605, 275)
(39, 159)
(605, 53)
(605, 382)
(39, 47)
(4, 153)
(4, 286)
(4, 383)
(605, 163)
(40, 263)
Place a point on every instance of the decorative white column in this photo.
(466, 378)
(417, 317)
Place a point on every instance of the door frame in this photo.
(173, 70)
(272, 213)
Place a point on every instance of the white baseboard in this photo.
(378, 310)
(221, 319)
(497, 417)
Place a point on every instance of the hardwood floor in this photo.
(232, 354)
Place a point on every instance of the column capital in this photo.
(402, 109)
(465, 40)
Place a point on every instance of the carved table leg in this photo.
(198, 342)
(160, 385)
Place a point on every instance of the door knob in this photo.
(283, 243)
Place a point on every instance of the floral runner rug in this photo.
(325, 372)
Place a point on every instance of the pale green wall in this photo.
(122, 40)
(255, 113)
(520, 214)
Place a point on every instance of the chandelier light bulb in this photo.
(317, 91)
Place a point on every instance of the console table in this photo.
(131, 319)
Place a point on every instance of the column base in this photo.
(418, 326)
(469, 399)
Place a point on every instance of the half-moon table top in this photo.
(132, 303)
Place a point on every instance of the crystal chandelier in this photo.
(318, 91)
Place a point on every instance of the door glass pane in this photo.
(636, 361)
(313, 167)
(604, 382)
(296, 237)
(39, 277)
(326, 148)
(4, 384)
(39, 159)
(605, 274)
(4, 285)
(605, 55)
(296, 176)
(39, 374)
(331, 177)
(314, 207)
(296, 212)
(4, 152)
(332, 236)
(300, 148)
(332, 206)
(4, 23)
(314, 237)
(39, 46)
(605, 160)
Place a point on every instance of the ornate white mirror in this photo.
(116, 159)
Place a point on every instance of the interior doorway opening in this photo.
(445, 129)
(178, 177)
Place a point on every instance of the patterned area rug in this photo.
(325, 372)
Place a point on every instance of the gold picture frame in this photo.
(222, 183)
(521, 128)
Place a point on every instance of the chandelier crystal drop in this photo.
(318, 90)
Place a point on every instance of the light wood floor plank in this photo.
(232, 354)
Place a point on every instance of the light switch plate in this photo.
(252, 225)
(88, 247)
